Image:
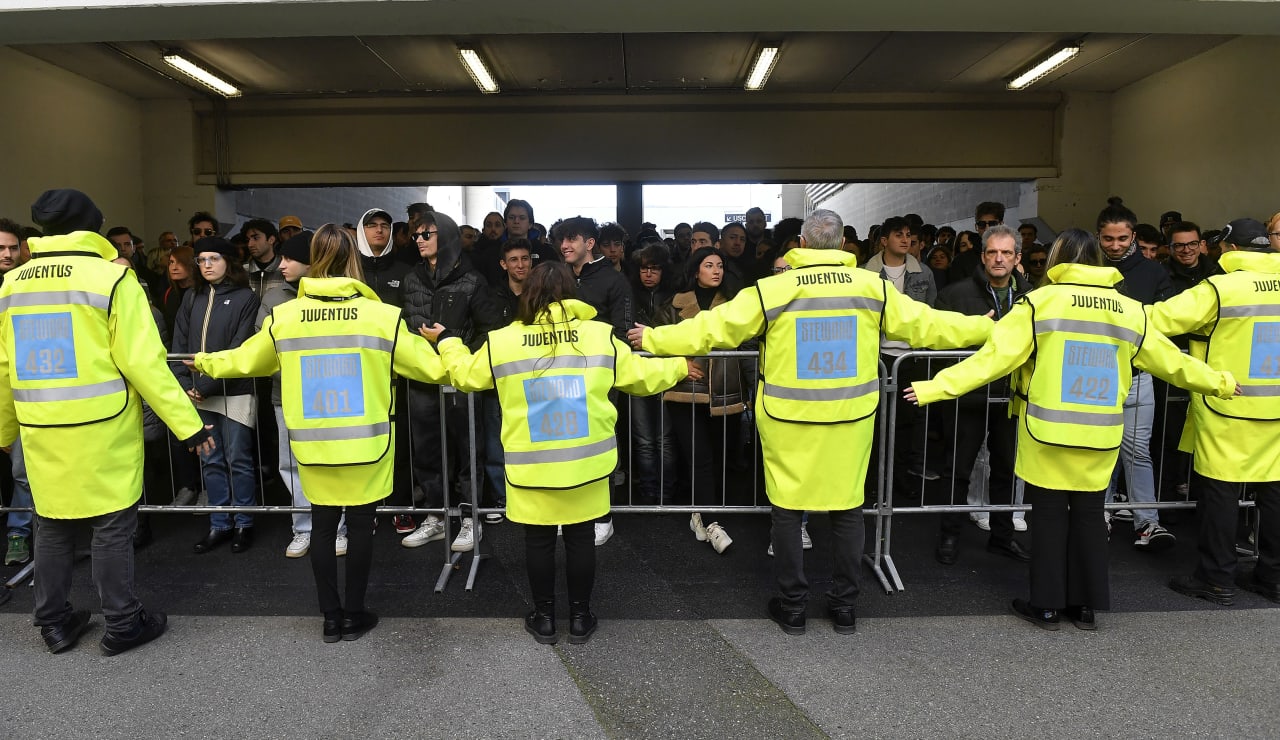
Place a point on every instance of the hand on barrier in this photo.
(432, 334)
(909, 395)
(636, 336)
(195, 395)
(207, 446)
(695, 370)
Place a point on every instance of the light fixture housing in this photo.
(766, 58)
(1037, 71)
(478, 70)
(198, 73)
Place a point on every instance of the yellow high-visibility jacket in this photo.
(1237, 440)
(79, 346)
(336, 346)
(553, 378)
(1063, 458)
(820, 326)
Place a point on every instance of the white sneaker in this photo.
(467, 537)
(769, 552)
(604, 530)
(431, 529)
(718, 538)
(299, 545)
(1019, 524)
(699, 531)
(340, 545)
(805, 542)
(982, 519)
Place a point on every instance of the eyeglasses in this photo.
(780, 270)
(1273, 234)
(1187, 246)
(650, 268)
(1038, 263)
(204, 232)
(985, 224)
(424, 235)
(215, 259)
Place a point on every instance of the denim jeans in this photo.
(111, 550)
(654, 456)
(228, 470)
(20, 521)
(1135, 450)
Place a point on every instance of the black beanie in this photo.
(63, 211)
(298, 247)
(217, 244)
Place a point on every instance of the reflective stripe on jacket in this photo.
(1246, 341)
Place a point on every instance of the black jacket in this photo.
(1144, 280)
(230, 311)
(1182, 277)
(485, 256)
(975, 297)
(385, 274)
(606, 290)
(454, 294)
(508, 303)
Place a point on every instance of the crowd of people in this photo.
(830, 307)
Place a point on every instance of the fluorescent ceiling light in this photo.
(202, 75)
(1038, 70)
(475, 65)
(765, 60)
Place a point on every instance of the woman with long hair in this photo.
(1071, 344)
(182, 275)
(553, 369)
(336, 346)
(216, 314)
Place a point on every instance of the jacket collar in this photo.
(809, 257)
(343, 288)
(877, 263)
(1077, 274)
(88, 243)
(1234, 260)
(566, 310)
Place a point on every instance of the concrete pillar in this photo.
(631, 206)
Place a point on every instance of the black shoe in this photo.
(1082, 617)
(541, 623)
(64, 636)
(242, 540)
(1011, 549)
(843, 620)
(948, 549)
(332, 630)
(920, 471)
(582, 623)
(354, 626)
(142, 535)
(1045, 619)
(791, 622)
(150, 626)
(1248, 580)
(1192, 586)
(213, 539)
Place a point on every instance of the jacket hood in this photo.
(1238, 260)
(77, 241)
(566, 310)
(1070, 272)
(335, 287)
(363, 244)
(449, 251)
(800, 257)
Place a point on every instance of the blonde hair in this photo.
(1274, 221)
(334, 254)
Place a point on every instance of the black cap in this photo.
(371, 215)
(1246, 233)
(298, 247)
(1170, 217)
(217, 244)
(66, 210)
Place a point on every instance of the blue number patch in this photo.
(1090, 374)
(827, 348)
(557, 407)
(1264, 353)
(45, 346)
(332, 386)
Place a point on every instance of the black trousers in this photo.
(1069, 552)
(324, 563)
(425, 410)
(111, 549)
(991, 422)
(1218, 510)
(579, 560)
(847, 541)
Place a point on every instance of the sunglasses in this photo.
(1038, 263)
(424, 235)
(204, 232)
(986, 224)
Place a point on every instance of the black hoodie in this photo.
(606, 290)
(384, 273)
(1144, 280)
(454, 294)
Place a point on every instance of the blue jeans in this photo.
(654, 454)
(20, 521)
(1135, 451)
(228, 470)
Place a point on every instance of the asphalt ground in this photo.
(684, 648)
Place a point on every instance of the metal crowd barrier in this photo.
(738, 460)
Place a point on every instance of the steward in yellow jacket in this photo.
(1238, 441)
(80, 353)
(819, 326)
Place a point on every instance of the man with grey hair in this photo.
(818, 394)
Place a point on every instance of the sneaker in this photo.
(604, 530)
(468, 535)
(494, 517)
(805, 542)
(19, 551)
(699, 531)
(299, 545)
(432, 529)
(982, 519)
(1019, 524)
(1106, 517)
(184, 497)
(769, 552)
(340, 545)
(1192, 586)
(1154, 538)
(919, 471)
(718, 538)
(1123, 515)
(403, 523)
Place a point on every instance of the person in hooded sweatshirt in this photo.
(444, 288)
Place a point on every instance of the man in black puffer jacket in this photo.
(444, 288)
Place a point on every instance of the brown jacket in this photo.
(724, 395)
